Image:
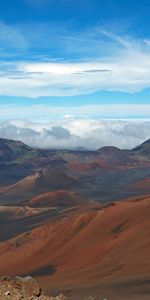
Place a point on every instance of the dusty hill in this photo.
(97, 250)
(40, 182)
(56, 199)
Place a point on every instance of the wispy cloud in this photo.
(107, 62)
(129, 72)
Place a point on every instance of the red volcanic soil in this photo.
(101, 251)
(57, 198)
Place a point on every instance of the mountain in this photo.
(16, 151)
(144, 148)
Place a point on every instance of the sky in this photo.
(75, 73)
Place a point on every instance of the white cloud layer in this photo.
(69, 133)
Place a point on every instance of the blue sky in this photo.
(74, 52)
(74, 61)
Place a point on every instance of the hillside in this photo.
(16, 151)
(104, 250)
(143, 149)
(56, 199)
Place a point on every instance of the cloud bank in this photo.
(71, 133)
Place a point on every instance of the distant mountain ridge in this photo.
(11, 149)
(101, 175)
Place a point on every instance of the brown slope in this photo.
(55, 199)
(86, 249)
(16, 192)
(40, 182)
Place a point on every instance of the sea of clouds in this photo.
(71, 133)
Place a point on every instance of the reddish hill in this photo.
(20, 190)
(40, 182)
(57, 198)
(99, 249)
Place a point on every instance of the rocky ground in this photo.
(26, 288)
